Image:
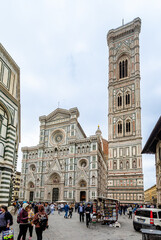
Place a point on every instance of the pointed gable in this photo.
(59, 114)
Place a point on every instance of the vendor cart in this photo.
(105, 210)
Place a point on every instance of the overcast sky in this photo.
(61, 49)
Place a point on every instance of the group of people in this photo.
(128, 209)
(28, 216)
(36, 214)
(85, 210)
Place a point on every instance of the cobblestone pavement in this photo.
(71, 229)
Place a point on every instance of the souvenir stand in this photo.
(105, 210)
(110, 211)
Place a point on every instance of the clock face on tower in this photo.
(57, 137)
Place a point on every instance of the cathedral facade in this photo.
(65, 165)
(125, 177)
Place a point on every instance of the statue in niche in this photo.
(127, 164)
(121, 165)
(134, 164)
(56, 180)
(82, 183)
(70, 181)
(38, 181)
(31, 185)
(93, 180)
(114, 165)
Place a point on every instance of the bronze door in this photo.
(55, 196)
(83, 196)
(31, 196)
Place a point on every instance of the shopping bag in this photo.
(8, 235)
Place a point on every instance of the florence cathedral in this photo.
(65, 165)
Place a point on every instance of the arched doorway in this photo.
(82, 196)
(31, 191)
(83, 186)
(55, 181)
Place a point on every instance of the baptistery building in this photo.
(65, 165)
(10, 123)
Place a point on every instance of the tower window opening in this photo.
(123, 69)
(126, 67)
(119, 128)
(128, 127)
(119, 101)
(120, 70)
(127, 98)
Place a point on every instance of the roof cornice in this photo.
(133, 26)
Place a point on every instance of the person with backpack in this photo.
(22, 219)
(6, 219)
(41, 221)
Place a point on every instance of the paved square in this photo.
(71, 229)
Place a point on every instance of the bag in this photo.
(43, 222)
(8, 216)
(9, 235)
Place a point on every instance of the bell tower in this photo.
(125, 179)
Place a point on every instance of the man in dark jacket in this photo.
(88, 212)
(81, 212)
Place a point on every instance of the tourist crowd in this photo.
(37, 214)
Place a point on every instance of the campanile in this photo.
(125, 179)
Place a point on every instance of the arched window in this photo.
(126, 68)
(127, 98)
(119, 128)
(128, 126)
(123, 68)
(120, 70)
(119, 101)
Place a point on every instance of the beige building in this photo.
(125, 179)
(153, 146)
(65, 165)
(9, 123)
(16, 186)
(150, 195)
